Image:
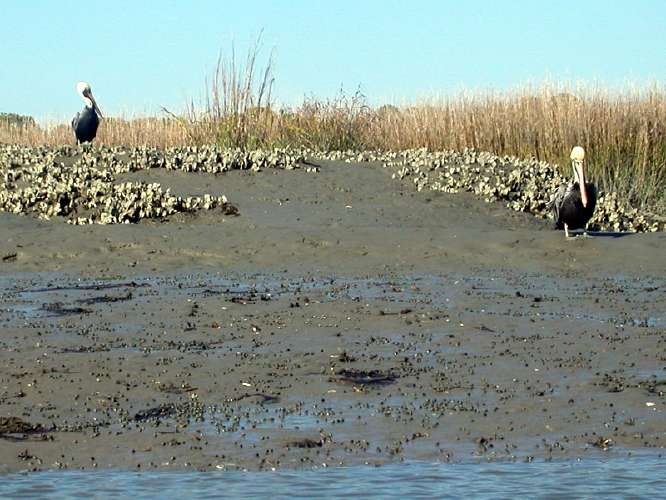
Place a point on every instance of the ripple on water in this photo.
(639, 476)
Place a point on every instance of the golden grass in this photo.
(158, 132)
(624, 133)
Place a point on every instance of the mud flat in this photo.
(341, 318)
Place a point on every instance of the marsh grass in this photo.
(624, 133)
(153, 131)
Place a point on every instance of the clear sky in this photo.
(139, 55)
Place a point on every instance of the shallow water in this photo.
(21, 299)
(637, 477)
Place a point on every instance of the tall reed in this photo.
(237, 110)
(624, 132)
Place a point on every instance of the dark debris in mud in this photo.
(345, 357)
(619, 383)
(262, 398)
(10, 257)
(484, 443)
(16, 425)
(104, 299)
(603, 443)
(84, 349)
(248, 298)
(192, 345)
(365, 377)
(60, 309)
(26, 456)
(406, 310)
(657, 387)
(17, 429)
(156, 413)
(306, 443)
(96, 286)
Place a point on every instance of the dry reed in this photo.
(624, 133)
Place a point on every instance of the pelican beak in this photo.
(580, 174)
(95, 106)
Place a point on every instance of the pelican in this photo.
(86, 122)
(573, 204)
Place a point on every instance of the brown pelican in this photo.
(573, 204)
(86, 122)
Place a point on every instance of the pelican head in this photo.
(578, 164)
(83, 89)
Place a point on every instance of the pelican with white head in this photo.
(85, 123)
(578, 164)
(573, 203)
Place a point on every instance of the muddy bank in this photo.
(350, 215)
(276, 370)
(343, 317)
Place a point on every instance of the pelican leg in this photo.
(566, 232)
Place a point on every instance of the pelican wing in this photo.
(592, 191)
(75, 120)
(558, 199)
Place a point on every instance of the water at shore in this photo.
(639, 477)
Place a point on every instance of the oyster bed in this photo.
(81, 184)
(523, 185)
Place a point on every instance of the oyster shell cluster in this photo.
(213, 159)
(522, 185)
(81, 185)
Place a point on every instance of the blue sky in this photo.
(140, 55)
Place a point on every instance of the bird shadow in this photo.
(605, 234)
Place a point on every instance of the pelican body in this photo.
(573, 204)
(85, 122)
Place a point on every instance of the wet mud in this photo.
(342, 318)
